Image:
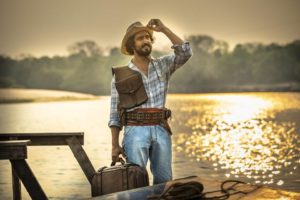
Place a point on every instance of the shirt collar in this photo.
(132, 66)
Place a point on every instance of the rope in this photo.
(180, 191)
(193, 190)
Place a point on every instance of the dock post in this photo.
(16, 152)
(16, 185)
(30, 182)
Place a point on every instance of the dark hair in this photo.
(130, 44)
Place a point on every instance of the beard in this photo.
(142, 51)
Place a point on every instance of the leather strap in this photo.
(148, 114)
(148, 117)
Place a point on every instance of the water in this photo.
(246, 136)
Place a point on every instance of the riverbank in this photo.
(23, 95)
(19, 95)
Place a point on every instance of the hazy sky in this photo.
(48, 27)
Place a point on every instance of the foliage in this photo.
(212, 67)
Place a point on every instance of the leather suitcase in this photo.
(119, 178)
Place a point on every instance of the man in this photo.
(147, 134)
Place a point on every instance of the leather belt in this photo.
(147, 117)
(148, 114)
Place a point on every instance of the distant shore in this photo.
(23, 95)
(16, 95)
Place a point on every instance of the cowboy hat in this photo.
(132, 30)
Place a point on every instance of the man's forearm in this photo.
(172, 36)
(115, 131)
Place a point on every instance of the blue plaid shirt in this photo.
(156, 83)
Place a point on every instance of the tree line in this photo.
(213, 67)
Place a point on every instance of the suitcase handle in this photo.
(124, 163)
(101, 169)
(113, 163)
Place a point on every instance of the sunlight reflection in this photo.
(238, 134)
(237, 108)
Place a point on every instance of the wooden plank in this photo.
(16, 185)
(81, 157)
(14, 143)
(44, 139)
(16, 149)
(42, 134)
(30, 182)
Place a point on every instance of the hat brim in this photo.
(131, 33)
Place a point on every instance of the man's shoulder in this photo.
(119, 66)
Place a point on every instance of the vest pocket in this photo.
(131, 91)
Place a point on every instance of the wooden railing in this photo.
(12, 145)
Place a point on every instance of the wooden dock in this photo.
(16, 152)
(13, 147)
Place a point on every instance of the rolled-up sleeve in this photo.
(114, 119)
(182, 53)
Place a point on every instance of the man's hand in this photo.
(116, 149)
(116, 152)
(156, 25)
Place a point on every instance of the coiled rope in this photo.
(193, 190)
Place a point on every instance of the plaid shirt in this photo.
(157, 82)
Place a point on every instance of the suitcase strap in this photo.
(123, 164)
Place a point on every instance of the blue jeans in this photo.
(141, 143)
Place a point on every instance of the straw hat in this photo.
(131, 30)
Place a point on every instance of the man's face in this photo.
(142, 43)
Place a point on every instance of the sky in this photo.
(48, 27)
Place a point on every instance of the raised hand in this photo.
(156, 25)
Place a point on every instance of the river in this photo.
(253, 137)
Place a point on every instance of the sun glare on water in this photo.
(237, 134)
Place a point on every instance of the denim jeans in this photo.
(141, 143)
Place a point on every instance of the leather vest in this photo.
(130, 87)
